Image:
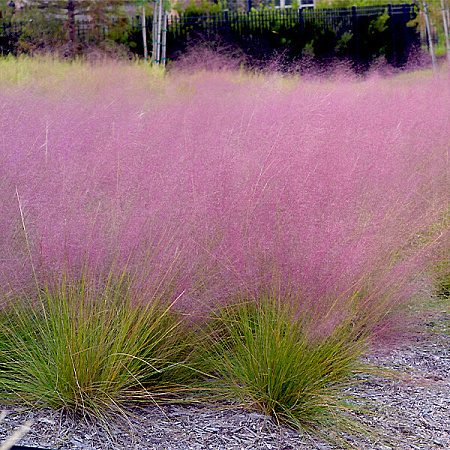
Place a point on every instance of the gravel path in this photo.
(411, 413)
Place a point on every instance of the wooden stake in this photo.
(17, 435)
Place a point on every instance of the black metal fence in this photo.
(357, 34)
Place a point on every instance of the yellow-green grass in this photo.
(90, 345)
(292, 366)
(50, 73)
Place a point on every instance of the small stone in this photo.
(45, 420)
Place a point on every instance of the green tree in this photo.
(52, 23)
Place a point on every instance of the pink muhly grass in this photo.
(239, 180)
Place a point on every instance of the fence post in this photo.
(300, 20)
(407, 40)
(227, 22)
(391, 17)
(71, 20)
(355, 32)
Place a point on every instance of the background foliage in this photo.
(267, 33)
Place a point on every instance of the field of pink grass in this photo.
(238, 234)
(226, 182)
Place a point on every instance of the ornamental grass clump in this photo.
(283, 362)
(440, 266)
(91, 344)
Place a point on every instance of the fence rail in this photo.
(287, 18)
